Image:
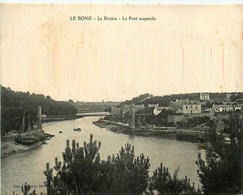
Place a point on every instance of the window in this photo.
(186, 107)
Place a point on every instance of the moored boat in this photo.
(26, 140)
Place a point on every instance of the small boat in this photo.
(26, 140)
(60, 131)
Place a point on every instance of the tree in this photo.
(79, 171)
(82, 171)
(15, 104)
(70, 101)
(164, 183)
(130, 174)
(108, 109)
(221, 173)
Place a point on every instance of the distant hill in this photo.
(84, 107)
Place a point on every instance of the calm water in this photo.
(29, 166)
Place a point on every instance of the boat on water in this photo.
(25, 140)
(29, 136)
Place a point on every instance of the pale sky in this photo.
(186, 49)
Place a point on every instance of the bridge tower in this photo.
(39, 116)
(132, 119)
(143, 119)
(139, 120)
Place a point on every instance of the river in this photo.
(29, 166)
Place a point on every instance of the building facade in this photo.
(204, 96)
(185, 106)
(227, 108)
(191, 108)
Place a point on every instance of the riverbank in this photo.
(9, 147)
(60, 118)
(166, 132)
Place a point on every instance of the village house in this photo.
(204, 96)
(223, 108)
(185, 106)
(239, 105)
(226, 107)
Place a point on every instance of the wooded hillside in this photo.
(15, 104)
(165, 100)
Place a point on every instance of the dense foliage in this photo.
(15, 104)
(192, 122)
(221, 173)
(82, 171)
(165, 183)
(160, 119)
(137, 100)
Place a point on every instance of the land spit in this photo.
(166, 132)
(10, 147)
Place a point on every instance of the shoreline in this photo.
(61, 118)
(9, 147)
(170, 133)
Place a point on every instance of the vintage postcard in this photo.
(121, 99)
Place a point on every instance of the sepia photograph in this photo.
(121, 99)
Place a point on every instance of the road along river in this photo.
(29, 166)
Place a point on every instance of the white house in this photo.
(223, 108)
(204, 96)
